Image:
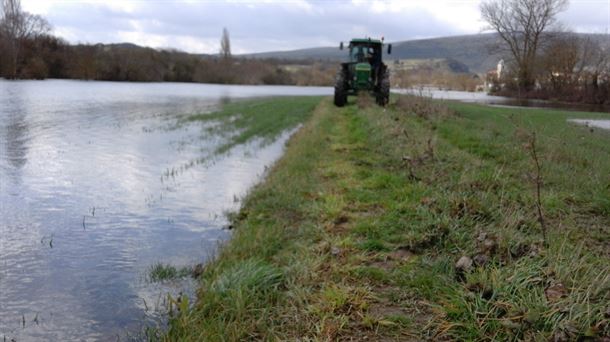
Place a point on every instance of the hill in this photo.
(437, 64)
(471, 50)
(475, 51)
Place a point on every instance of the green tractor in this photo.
(365, 71)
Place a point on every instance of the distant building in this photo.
(493, 78)
(500, 69)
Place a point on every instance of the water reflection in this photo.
(15, 130)
(84, 209)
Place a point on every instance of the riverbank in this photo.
(418, 222)
(107, 188)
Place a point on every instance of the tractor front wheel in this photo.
(340, 90)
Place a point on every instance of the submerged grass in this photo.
(356, 232)
(265, 119)
(254, 121)
(163, 272)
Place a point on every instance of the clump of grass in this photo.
(232, 301)
(250, 276)
(373, 245)
(164, 272)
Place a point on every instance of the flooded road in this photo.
(87, 203)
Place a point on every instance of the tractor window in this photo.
(375, 56)
(365, 54)
(358, 54)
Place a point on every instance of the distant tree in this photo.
(52, 51)
(597, 76)
(225, 45)
(563, 62)
(17, 27)
(521, 25)
(83, 62)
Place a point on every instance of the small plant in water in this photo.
(163, 272)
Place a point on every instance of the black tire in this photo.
(340, 90)
(383, 93)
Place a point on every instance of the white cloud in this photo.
(263, 25)
(37, 6)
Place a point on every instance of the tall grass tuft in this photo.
(231, 303)
(163, 272)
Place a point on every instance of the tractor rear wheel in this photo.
(340, 90)
(383, 93)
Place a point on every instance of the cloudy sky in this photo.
(266, 25)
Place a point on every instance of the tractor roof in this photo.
(365, 41)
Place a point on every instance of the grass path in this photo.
(356, 232)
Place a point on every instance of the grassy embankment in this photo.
(357, 230)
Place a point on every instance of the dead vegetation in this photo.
(445, 80)
(423, 107)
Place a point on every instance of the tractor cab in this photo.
(365, 52)
(364, 71)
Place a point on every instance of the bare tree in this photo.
(521, 24)
(597, 61)
(563, 63)
(225, 45)
(16, 27)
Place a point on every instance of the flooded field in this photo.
(94, 192)
(90, 199)
(501, 101)
(605, 124)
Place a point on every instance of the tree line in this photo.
(30, 51)
(545, 60)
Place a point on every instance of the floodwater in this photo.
(484, 98)
(605, 124)
(88, 202)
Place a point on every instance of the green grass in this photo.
(356, 231)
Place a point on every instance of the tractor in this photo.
(364, 72)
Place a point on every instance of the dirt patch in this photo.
(400, 255)
(383, 310)
(385, 265)
(339, 226)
